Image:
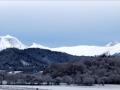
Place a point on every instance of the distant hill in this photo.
(32, 59)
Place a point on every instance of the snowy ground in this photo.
(106, 87)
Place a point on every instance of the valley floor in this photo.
(15, 87)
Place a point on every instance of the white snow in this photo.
(14, 72)
(81, 87)
(25, 63)
(112, 43)
(84, 50)
(80, 50)
(35, 45)
(106, 87)
(10, 42)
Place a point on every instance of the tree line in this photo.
(93, 70)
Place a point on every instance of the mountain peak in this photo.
(10, 42)
(112, 44)
(7, 36)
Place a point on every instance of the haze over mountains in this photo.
(81, 50)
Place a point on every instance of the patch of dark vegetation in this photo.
(98, 70)
(31, 60)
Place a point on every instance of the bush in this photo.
(89, 81)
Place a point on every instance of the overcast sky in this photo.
(62, 23)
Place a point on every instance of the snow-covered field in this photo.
(106, 87)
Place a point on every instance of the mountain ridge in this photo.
(80, 50)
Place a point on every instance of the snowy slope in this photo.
(10, 42)
(81, 50)
(85, 50)
(35, 45)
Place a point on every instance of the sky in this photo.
(57, 23)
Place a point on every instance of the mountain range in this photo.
(78, 64)
(80, 50)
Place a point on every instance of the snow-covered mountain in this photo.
(84, 50)
(10, 42)
(35, 45)
(81, 50)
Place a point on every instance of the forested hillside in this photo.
(32, 59)
(40, 66)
